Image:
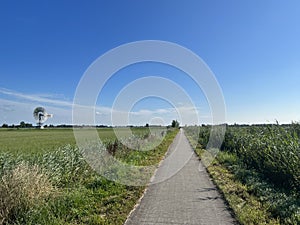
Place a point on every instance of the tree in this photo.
(147, 125)
(22, 124)
(5, 125)
(28, 125)
(175, 123)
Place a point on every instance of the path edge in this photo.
(151, 179)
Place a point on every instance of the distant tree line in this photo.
(29, 125)
(21, 125)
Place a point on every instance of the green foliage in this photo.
(272, 150)
(279, 203)
(247, 208)
(175, 124)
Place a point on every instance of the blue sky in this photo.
(252, 47)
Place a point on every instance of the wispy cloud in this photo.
(41, 98)
(16, 106)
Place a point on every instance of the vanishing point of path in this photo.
(187, 197)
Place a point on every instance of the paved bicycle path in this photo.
(187, 197)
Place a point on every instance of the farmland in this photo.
(31, 141)
(45, 179)
(258, 171)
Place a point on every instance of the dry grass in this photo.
(22, 188)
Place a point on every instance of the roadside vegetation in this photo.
(258, 171)
(57, 186)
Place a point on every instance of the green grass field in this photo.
(29, 141)
(45, 179)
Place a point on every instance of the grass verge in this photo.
(252, 198)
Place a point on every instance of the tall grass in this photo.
(272, 150)
(266, 159)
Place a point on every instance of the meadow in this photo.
(32, 140)
(45, 179)
(258, 171)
